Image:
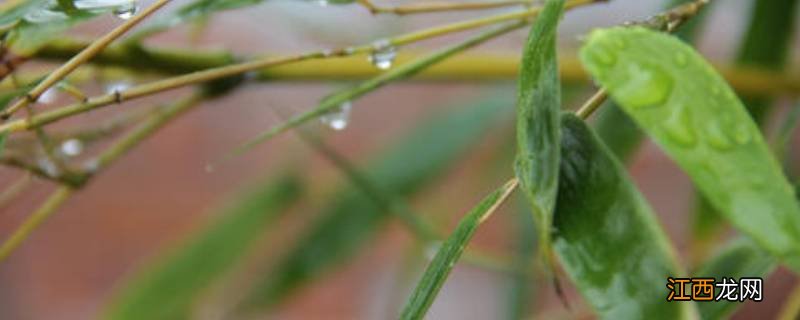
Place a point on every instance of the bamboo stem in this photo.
(35, 220)
(76, 61)
(430, 7)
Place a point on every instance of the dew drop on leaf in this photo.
(339, 117)
(72, 147)
(383, 54)
(679, 128)
(716, 136)
(48, 96)
(126, 11)
(645, 86)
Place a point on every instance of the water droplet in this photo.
(48, 167)
(323, 3)
(679, 128)
(716, 136)
(72, 147)
(742, 133)
(338, 118)
(118, 86)
(681, 59)
(126, 11)
(44, 14)
(646, 85)
(48, 96)
(383, 54)
(92, 166)
(210, 168)
(603, 56)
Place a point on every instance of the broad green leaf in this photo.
(741, 258)
(449, 253)
(351, 219)
(538, 110)
(613, 125)
(608, 240)
(692, 113)
(167, 289)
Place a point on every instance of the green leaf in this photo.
(741, 258)
(692, 113)
(538, 110)
(607, 238)
(35, 22)
(351, 218)
(449, 253)
(167, 289)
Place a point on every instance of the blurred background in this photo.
(163, 192)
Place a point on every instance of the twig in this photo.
(429, 7)
(35, 220)
(241, 68)
(592, 104)
(15, 189)
(81, 58)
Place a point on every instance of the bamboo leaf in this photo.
(608, 240)
(352, 218)
(741, 258)
(167, 289)
(538, 109)
(692, 113)
(449, 253)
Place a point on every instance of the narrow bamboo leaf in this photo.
(692, 113)
(167, 289)
(449, 253)
(741, 258)
(404, 71)
(351, 218)
(608, 240)
(538, 110)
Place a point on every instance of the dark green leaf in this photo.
(741, 258)
(449, 253)
(606, 236)
(692, 113)
(538, 109)
(167, 289)
(351, 218)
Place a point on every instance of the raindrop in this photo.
(72, 147)
(383, 54)
(337, 119)
(741, 133)
(92, 166)
(48, 167)
(323, 3)
(118, 86)
(48, 96)
(210, 168)
(645, 85)
(679, 128)
(681, 59)
(716, 136)
(602, 56)
(126, 11)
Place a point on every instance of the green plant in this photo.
(592, 224)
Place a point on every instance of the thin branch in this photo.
(35, 220)
(241, 68)
(15, 189)
(429, 7)
(81, 58)
(592, 104)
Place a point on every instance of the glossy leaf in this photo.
(608, 240)
(167, 289)
(538, 110)
(692, 113)
(741, 258)
(449, 253)
(351, 219)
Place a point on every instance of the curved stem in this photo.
(35, 220)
